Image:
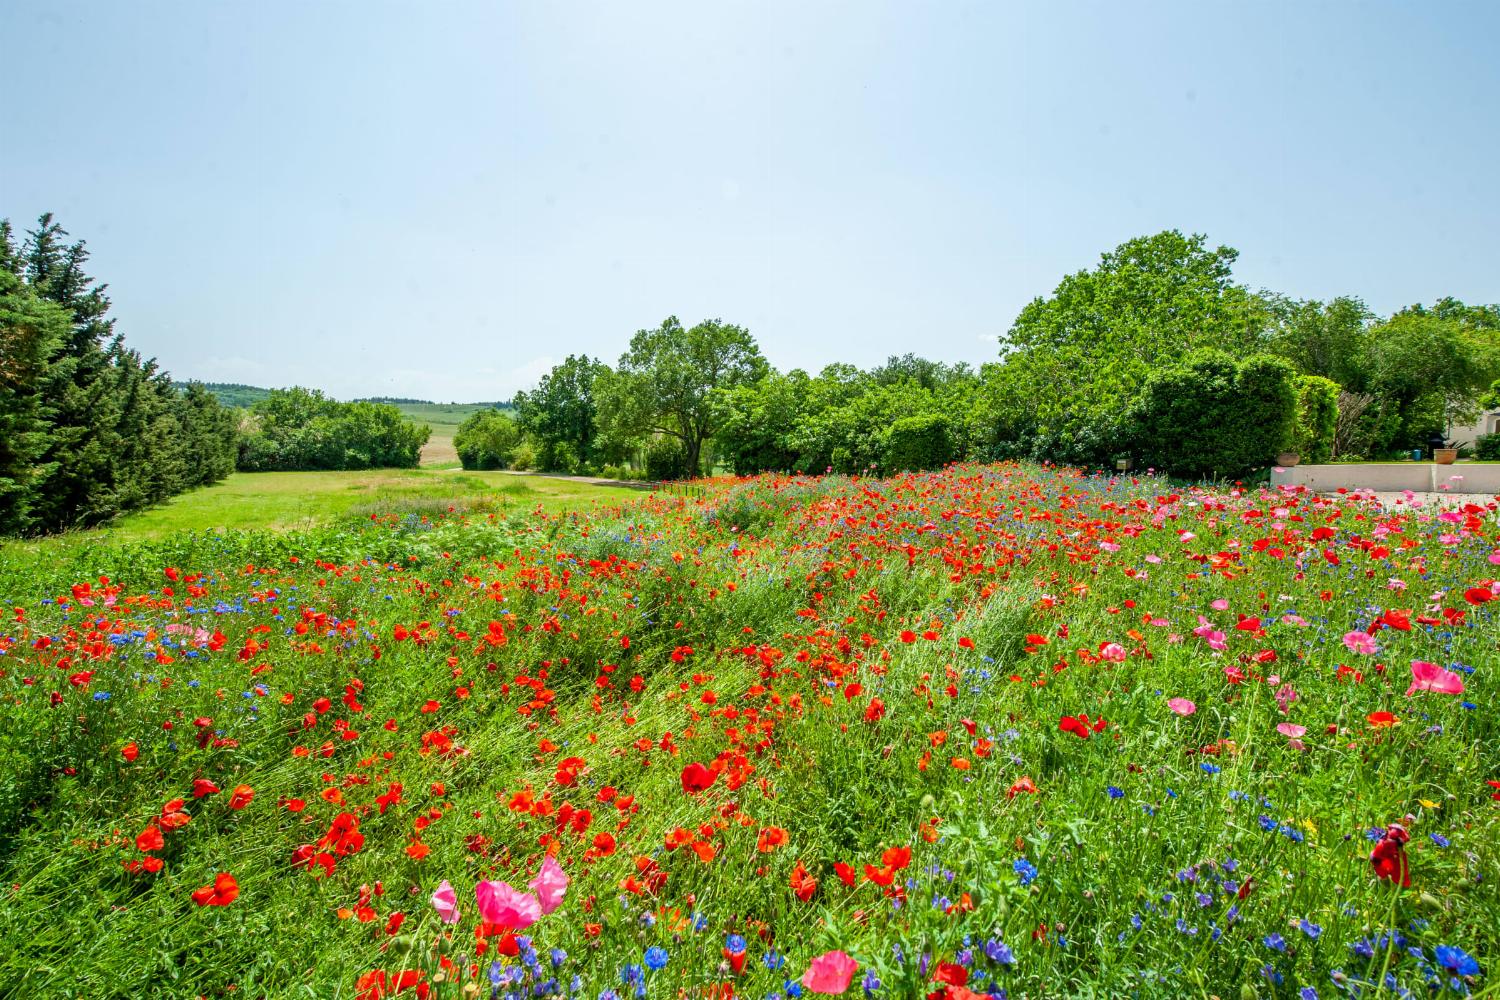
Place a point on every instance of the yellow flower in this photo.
(1428, 803)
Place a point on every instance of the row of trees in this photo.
(1156, 354)
(1069, 359)
(88, 428)
(302, 429)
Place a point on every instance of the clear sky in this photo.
(442, 199)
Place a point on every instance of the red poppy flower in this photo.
(130, 751)
(224, 891)
(150, 839)
(1080, 725)
(241, 796)
(1389, 857)
(770, 838)
(202, 787)
(803, 884)
(696, 777)
(1022, 785)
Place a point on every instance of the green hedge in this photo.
(914, 444)
(1210, 417)
(1317, 418)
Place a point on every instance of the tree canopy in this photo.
(666, 379)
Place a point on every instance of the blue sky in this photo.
(443, 199)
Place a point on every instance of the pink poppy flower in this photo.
(1291, 730)
(445, 901)
(1361, 642)
(1113, 652)
(550, 884)
(830, 972)
(1219, 605)
(509, 908)
(1431, 677)
(1181, 706)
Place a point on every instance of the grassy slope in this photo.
(280, 500)
(826, 575)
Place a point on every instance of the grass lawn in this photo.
(281, 500)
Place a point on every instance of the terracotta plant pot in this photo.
(1445, 456)
(1288, 459)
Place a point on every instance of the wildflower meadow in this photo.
(995, 731)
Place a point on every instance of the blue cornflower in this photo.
(1456, 960)
(997, 951)
(734, 944)
(1437, 838)
(1114, 792)
(1026, 870)
(656, 958)
(1210, 768)
(773, 960)
(1307, 993)
(1309, 928)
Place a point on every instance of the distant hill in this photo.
(233, 393)
(236, 394)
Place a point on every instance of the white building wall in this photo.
(1464, 434)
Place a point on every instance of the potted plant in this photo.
(1288, 459)
(1445, 456)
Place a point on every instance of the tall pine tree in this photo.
(88, 428)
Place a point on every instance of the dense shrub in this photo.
(1317, 418)
(298, 428)
(1211, 417)
(486, 439)
(1487, 447)
(666, 459)
(914, 444)
(523, 456)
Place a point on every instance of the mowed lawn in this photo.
(283, 500)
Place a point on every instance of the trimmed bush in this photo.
(485, 440)
(1487, 447)
(667, 460)
(915, 444)
(1209, 417)
(1317, 418)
